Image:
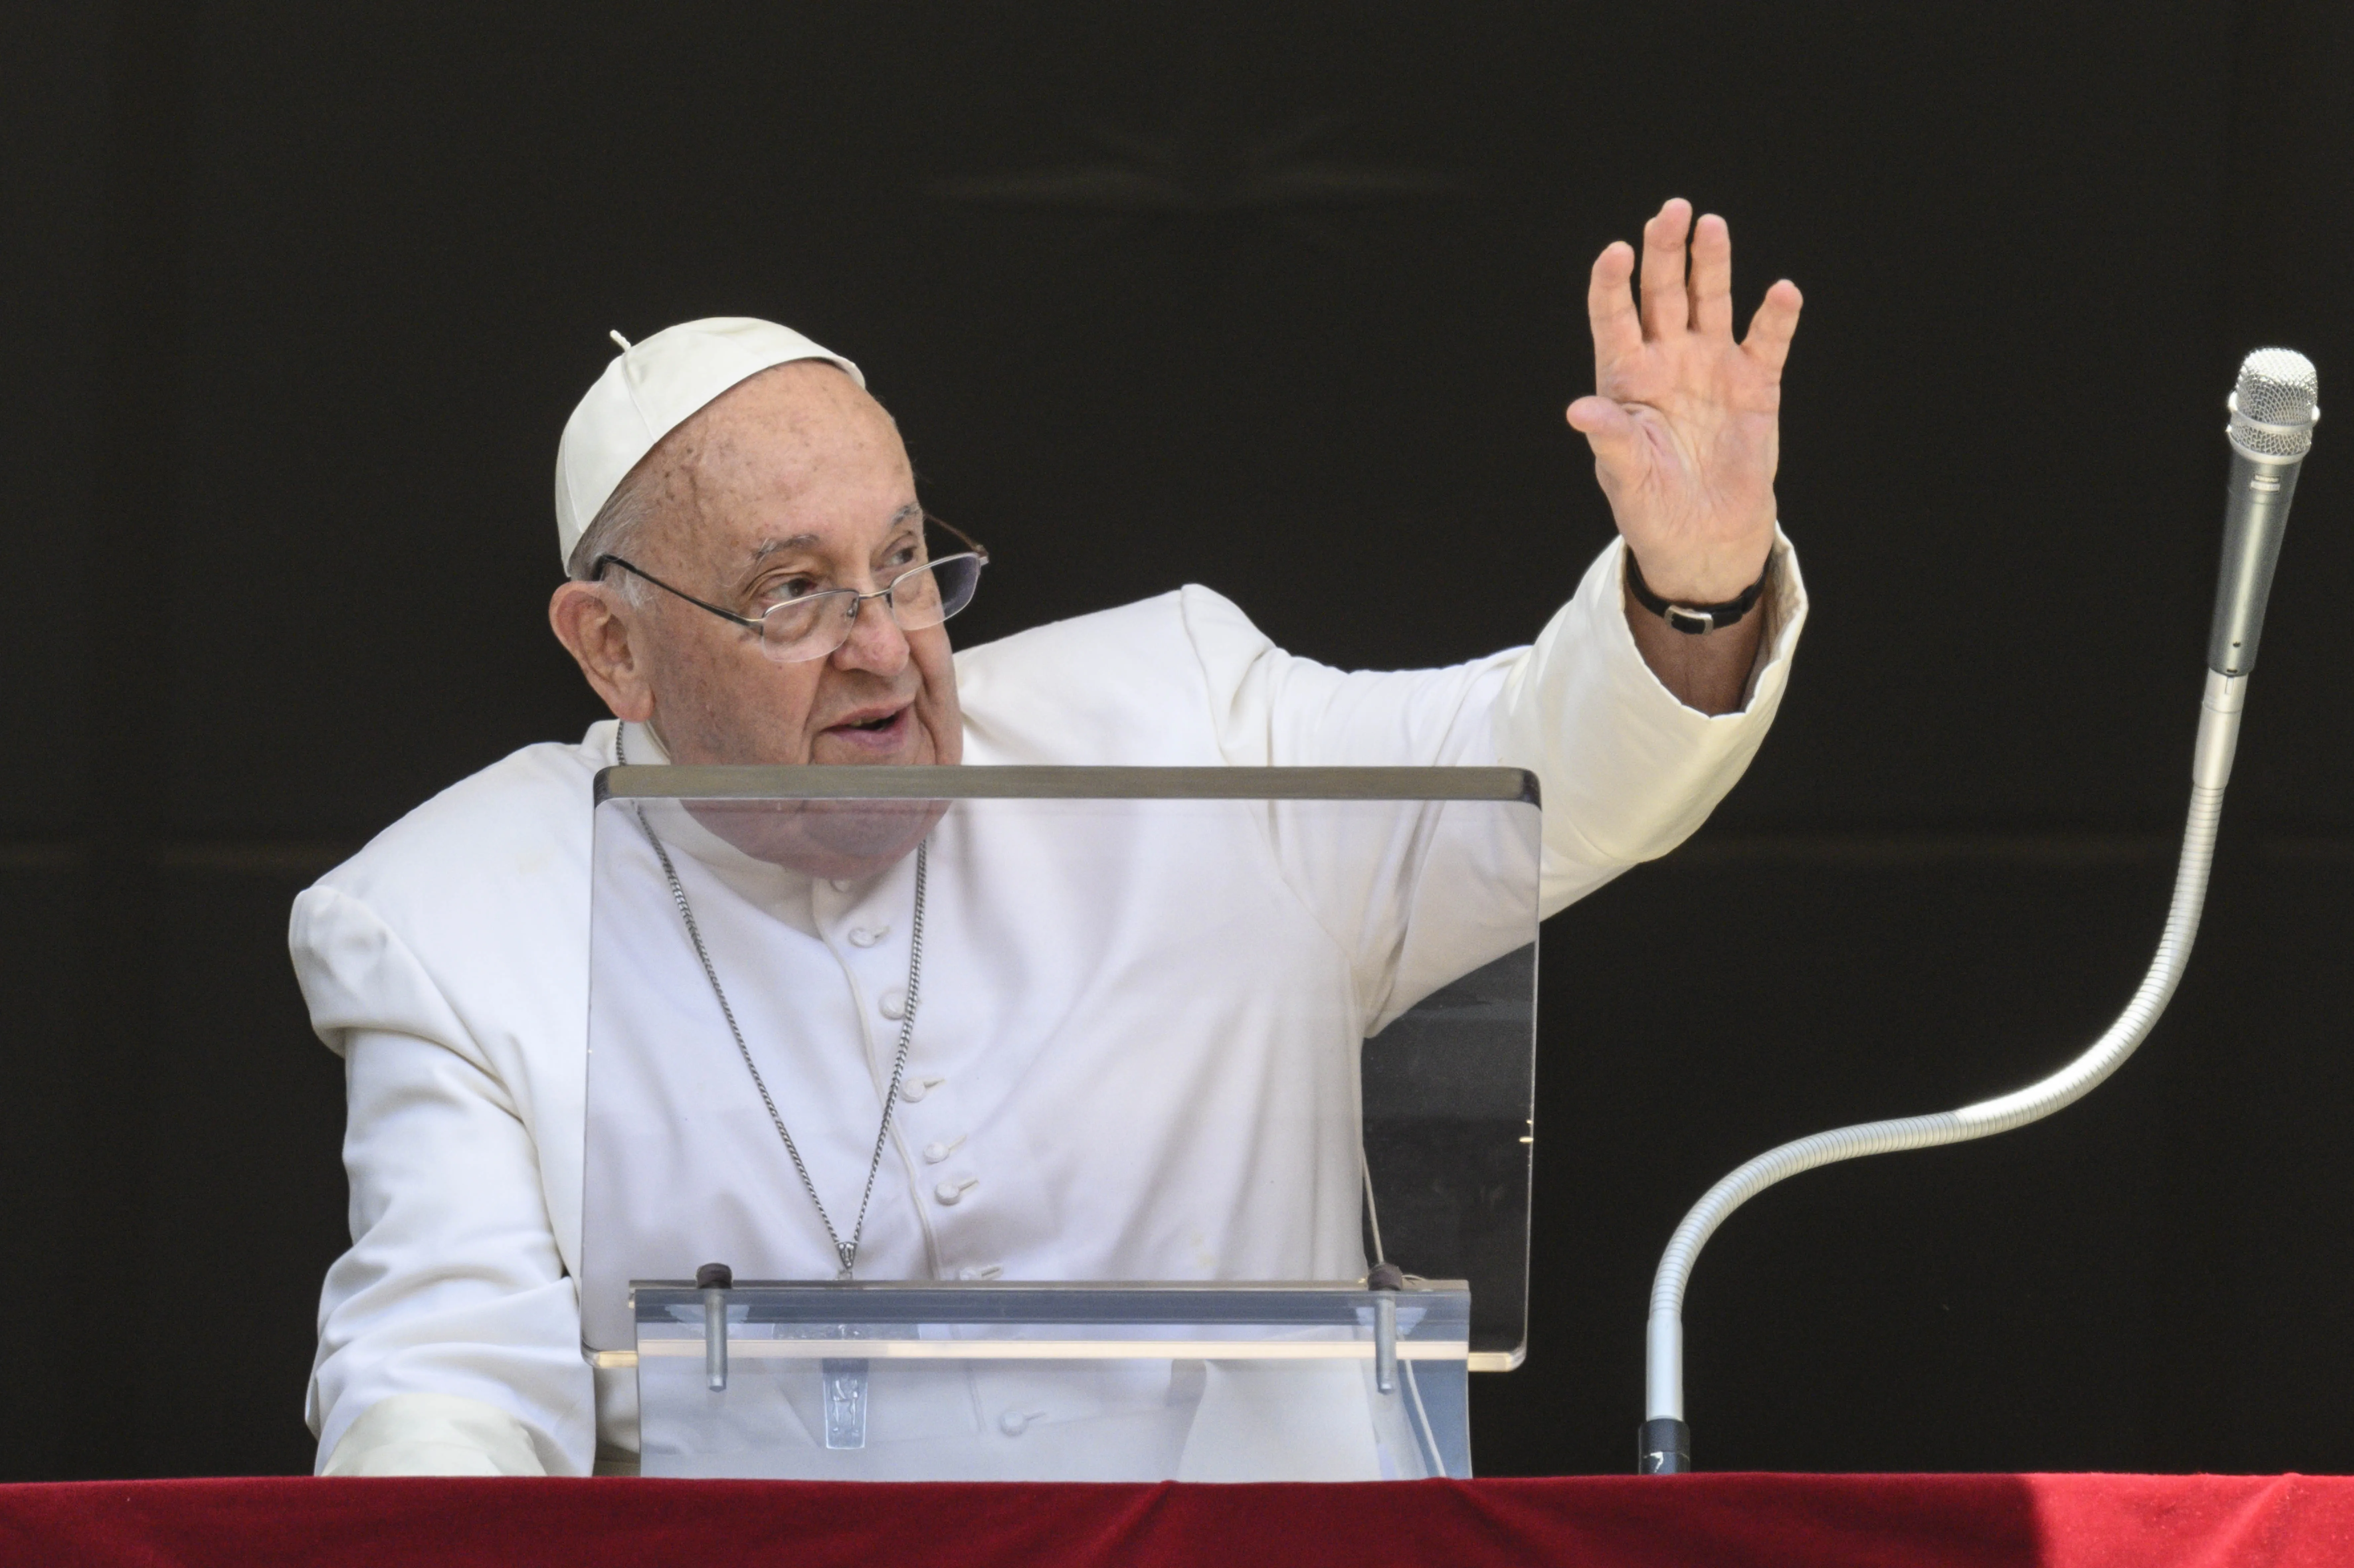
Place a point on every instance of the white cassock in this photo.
(449, 963)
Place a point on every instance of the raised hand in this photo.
(1685, 422)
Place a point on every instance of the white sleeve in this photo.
(1626, 772)
(453, 1285)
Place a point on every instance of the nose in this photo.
(875, 643)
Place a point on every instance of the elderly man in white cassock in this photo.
(715, 476)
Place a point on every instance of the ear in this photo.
(600, 630)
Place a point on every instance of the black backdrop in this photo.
(1262, 296)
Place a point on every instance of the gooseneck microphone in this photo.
(2273, 416)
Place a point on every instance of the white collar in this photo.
(644, 746)
(782, 893)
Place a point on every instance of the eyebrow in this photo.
(767, 547)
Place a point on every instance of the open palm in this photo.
(1685, 423)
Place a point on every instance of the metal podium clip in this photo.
(714, 1280)
(1385, 1279)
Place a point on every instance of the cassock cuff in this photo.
(1783, 605)
(434, 1435)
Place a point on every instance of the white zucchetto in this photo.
(649, 390)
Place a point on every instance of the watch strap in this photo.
(1697, 620)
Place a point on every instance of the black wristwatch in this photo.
(1696, 619)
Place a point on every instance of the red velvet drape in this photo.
(1919, 1521)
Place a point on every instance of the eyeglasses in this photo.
(813, 625)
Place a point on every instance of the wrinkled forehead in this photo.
(797, 456)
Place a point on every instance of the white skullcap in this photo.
(649, 391)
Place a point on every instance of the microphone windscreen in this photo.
(2273, 407)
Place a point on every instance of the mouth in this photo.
(872, 728)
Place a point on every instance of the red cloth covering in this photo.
(1920, 1522)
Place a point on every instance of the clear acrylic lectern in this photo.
(1208, 1135)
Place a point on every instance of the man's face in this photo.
(793, 481)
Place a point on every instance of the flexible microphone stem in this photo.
(2273, 415)
(1667, 1444)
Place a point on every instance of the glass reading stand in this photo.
(1210, 1140)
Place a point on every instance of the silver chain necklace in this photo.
(846, 1251)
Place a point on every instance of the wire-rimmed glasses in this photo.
(813, 625)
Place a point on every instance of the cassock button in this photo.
(985, 1271)
(915, 1089)
(894, 1003)
(936, 1152)
(867, 936)
(951, 1193)
(1014, 1423)
(839, 884)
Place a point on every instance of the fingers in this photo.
(1712, 278)
(1610, 305)
(1771, 328)
(1665, 302)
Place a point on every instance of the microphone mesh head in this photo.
(2273, 407)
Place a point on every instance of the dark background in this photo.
(1264, 296)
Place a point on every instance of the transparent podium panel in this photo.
(1181, 1044)
(1077, 1383)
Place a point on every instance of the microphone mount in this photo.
(2273, 415)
